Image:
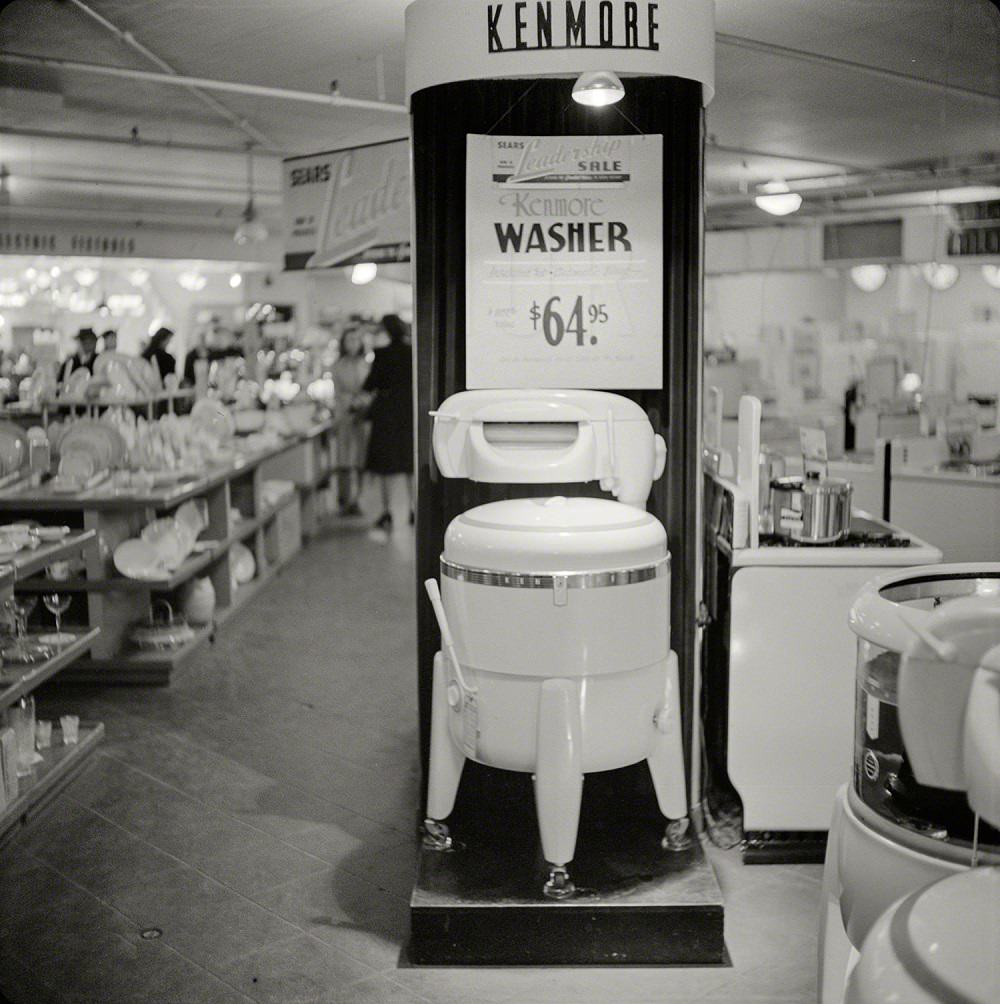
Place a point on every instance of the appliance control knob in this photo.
(454, 695)
(661, 719)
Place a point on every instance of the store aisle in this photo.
(246, 834)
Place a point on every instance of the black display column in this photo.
(442, 118)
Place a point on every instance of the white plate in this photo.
(138, 559)
(169, 541)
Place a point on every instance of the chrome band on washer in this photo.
(548, 580)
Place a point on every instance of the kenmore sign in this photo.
(572, 24)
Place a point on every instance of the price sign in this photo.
(564, 264)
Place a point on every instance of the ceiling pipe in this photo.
(127, 38)
(835, 62)
(146, 144)
(178, 80)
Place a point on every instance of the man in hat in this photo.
(86, 353)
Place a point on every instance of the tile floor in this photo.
(257, 816)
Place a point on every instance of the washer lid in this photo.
(554, 535)
(945, 937)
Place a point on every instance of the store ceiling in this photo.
(779, 110)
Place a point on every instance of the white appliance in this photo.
(927, 747)
(554, 612)
(777, 702)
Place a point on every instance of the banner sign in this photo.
(348, 206)
(564, 262)
(451, 40)
(126, 240)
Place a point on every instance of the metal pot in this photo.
(810, 509)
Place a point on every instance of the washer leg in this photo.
(446, 763)
(559, 779)
(666, 762)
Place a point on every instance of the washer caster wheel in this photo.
(559, 884)
(677, 837)
(437, 836)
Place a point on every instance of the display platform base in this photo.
(635, 904)
(790, 847)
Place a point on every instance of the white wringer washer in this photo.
(554, 612)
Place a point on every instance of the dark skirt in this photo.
(390, 446)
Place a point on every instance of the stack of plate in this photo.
(100, 441)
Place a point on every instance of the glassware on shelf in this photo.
(21, 718)
(22, 606)
(57, 604)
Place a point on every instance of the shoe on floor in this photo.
(384, 522)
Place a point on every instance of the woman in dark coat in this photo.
(157, 349)
(390, 445)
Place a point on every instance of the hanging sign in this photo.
(450, 40)
(348, 206)
(564, 262)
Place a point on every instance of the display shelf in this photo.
(60, 764)
(131, 667)
(33, 676)
(188, 568)
(27, 563)
(245, 593)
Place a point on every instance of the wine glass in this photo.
(57, 604)
(22, 605)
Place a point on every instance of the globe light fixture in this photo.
(363, 273)
(235, 280)
(991, 275)
(85, 277)
(869, 278)
(939, 275)
(777, 199)
(598, 88)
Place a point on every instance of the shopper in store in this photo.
(390, 445)
(156, 351)
(109, 341)
(86, 353)
(350, 404)
(199, 351)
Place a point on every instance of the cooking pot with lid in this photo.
(811, 509)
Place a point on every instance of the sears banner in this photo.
(348, 206)
(564, 262)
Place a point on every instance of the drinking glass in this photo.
(57, 604)
(22, 605)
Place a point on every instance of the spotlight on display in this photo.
(598, 88)
(777, 199)
(363, 272)
(939, 275)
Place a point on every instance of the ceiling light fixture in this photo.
(598, 88)
(251, 229)
(777, 199)
(939, 275)
(991, 274)
(363, 273)
(85, 276)
(138, 276)
(235, 280)
(869, 278)
(192, 281)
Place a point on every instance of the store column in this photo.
(507, 71)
